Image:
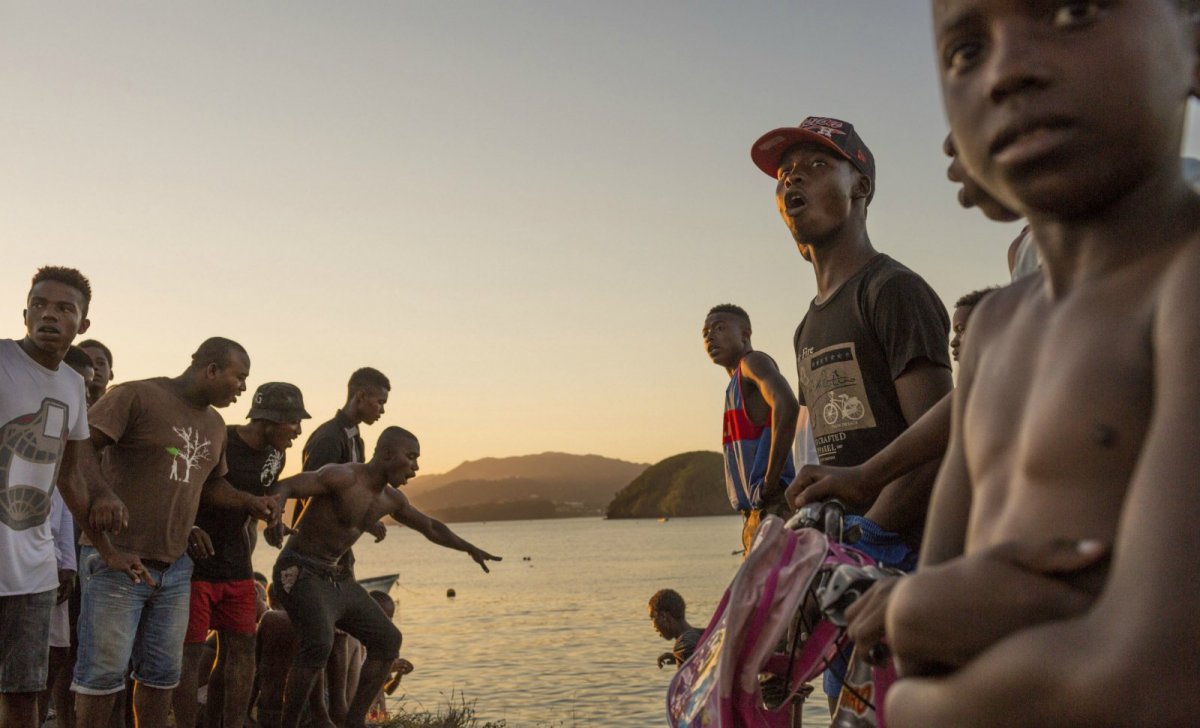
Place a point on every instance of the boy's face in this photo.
(226, 383)
(970, 194)
(815, 192)
(402, 463)
(726, 338)
(958, 329)
(371, 404)
(281, 435)
(1060, 106)
(54, 316)
(102, 365)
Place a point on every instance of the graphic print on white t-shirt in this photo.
(30, 447)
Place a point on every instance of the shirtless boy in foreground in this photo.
(1075, 418)
(319, 593)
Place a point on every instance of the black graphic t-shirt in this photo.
(252, 471)
(851, 348)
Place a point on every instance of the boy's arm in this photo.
(96, 508)
(219, 493)
(1139, 638)
(325, 481)
(438, 533)
(777, 393)
(85, 490)
(902, 505)
(924, 441)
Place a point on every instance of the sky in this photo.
(518, 211)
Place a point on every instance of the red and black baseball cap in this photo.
(838, 135)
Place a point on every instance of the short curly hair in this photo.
(733, 310)
(972, 299)
(668, 601)
(69, 276)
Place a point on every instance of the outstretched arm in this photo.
(439, 533)
(1140, 636)
(777, 393)
(325, 481)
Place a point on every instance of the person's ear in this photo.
(83, 326)
(861, 188)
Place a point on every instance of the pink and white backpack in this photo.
(720, 686)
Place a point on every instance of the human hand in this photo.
(816, 483)
(66, 585)
(263, 507)
(481, 557)
(379, 531)
(275, 533)
(199, 544)
(666, 658)
(866, 617)
(131, 565)
(106, 512)
(942, 617)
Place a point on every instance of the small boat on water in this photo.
(380, 583)
(664, 519)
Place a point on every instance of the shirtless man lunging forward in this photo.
(319, 594)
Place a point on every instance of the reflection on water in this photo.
(564, 638)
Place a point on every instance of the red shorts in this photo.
(223, 605)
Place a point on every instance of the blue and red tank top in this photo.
(747, 450)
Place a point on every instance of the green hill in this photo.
(689, 484)
(546, 485)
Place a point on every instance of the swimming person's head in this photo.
(668, 613)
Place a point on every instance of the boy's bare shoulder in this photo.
(337, 474)
(1000, 307)
(1178, 306)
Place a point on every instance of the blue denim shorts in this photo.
(888, 549)
(25, 641)
(120, 621)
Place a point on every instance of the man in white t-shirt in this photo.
(43, 420)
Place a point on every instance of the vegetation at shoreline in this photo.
(457, 713)
(688, 484)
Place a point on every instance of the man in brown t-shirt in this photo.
(163, 450)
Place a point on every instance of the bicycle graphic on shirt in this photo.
(843, 407)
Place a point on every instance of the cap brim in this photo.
(279, 416)
(771, 147)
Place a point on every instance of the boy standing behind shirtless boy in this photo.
(1075, 419)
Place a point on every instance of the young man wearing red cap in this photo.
(871, 352)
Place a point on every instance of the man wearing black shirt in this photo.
(223, 592)
(871, 352)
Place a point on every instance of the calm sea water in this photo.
(563, 639)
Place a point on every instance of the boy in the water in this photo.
(1076, 411)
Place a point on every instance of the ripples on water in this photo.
(563, 639)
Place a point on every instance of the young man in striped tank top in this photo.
(759, 423)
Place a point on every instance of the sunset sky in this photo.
(519, 211)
